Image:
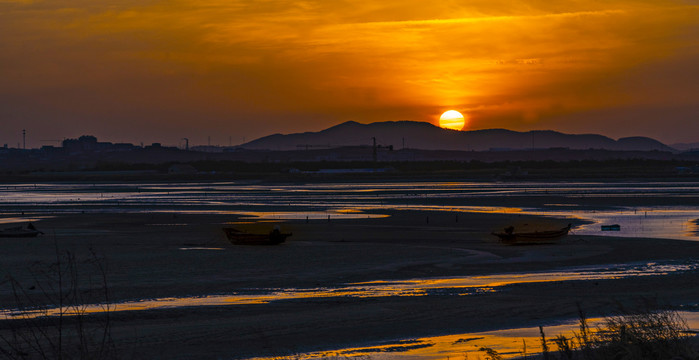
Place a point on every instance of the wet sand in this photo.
(157, 255)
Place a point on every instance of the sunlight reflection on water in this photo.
(13, 220)
(349, 200)
(510, 343)
(454, 286)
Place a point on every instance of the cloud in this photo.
(253, 66)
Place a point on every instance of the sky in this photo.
(228, 71)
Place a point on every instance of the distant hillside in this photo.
(421, 135)
(686, 146)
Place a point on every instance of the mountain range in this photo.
(422, 135)
(685, 146)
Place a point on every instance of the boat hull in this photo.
(537, 237)
(615, 227)
(238, 237)
(19, 232)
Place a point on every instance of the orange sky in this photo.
(157, 71)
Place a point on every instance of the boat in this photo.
(614, 227)
(19, 232)
(240, 237)
(509, 236)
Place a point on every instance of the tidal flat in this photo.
(367, 263)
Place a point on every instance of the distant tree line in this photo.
(478, 169)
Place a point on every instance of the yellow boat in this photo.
(509, 236)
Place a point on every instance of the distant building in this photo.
(208, 148)
(85, 143)
(89, 144)
(123, 147)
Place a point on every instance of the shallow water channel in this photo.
(510, 343)
(451, 286)
(351, 200)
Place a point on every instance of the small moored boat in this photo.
(614, 227)
(19, 232)
(240, 237)
(509, 236)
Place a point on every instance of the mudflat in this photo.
(164, 255)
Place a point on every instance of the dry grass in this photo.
(38, 333)
(647, 335)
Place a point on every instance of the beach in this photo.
(163, 255)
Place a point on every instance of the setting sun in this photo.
(453, 120)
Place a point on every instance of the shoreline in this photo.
(284, 178)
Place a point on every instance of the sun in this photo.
(453, 120)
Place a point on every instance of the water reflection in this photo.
(311, 215)
(225, 193)
(454, 286)
(510, 343)
(694, 227)
(13, 220)
(653, 222)
(318, 200)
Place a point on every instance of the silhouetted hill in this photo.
(421, 135)
(686, 146)
(641, 142)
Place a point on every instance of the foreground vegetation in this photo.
(50, 320)
(661, 335)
